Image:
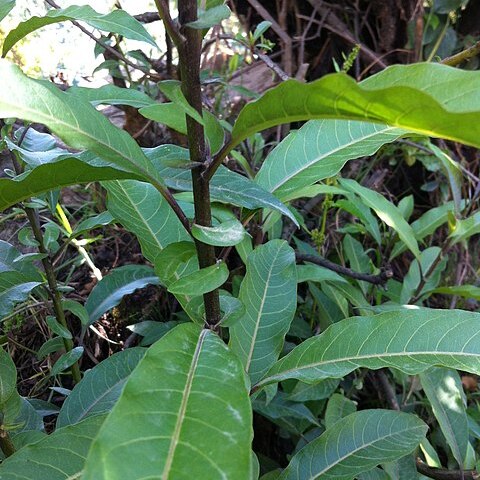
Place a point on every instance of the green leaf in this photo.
(391, 97)
(173, 116)
(8, 376)
(466, 291)
(202, 281)
(319, 150)
(268, 292)
(356, 444)
(15, 287)
(211, 17)
(338, 407)
(77, 309)
(464, 229)
(226, 186)
(118, 21)
(358, 259)
(409, 340)
(75, 121)
(59, 456)
(112, 95)
(172, 89)
(66, 360)
(47, 177)
(141, 209)
(304, 392)
(100, 388)
(5, 7)
(57, 328)
(386, 211)
(226, 234)
(444, 391)
(100, 220)
(184, 413)
(109, 291)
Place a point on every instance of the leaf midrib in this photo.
(362, 447)
(332, 152)
(273, 378)
(183, 405)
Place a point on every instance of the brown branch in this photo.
(380, 279)
(462, 56)
(147, 17)
(272, 65)
(170, 26)
(189, 56)
(443, 474)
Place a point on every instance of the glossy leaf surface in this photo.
(268, 292)
(356, 444)
(184, 413)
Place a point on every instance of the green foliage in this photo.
(250, 317)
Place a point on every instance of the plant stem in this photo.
(463, 56)
(189, 54)
(55, 295)
(323, 262)
(6, 444)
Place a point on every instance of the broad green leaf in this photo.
(225, 186)
(356, 444)
(15, 287)
(141, 209)
(8, 376)
(226, 234)
(59, 456)
(410, 340)
(11, 260)
(466, 291)
(109, 291)
(151, 331)
(77, 309)
(374, 474)
(5, 7)
(74, 120)
(66, 360)
(112, 95)
(319, 150)
(338, 407)
(100, 388)
(444, 391)
(62, 173)
(118, 21)
(465, 228)
(202, 281)
(386, 211)
(419, 98)
(268, 292)
(184, 413)
(211, 17)
(404, 468)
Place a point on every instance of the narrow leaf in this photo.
(112, 95)
(226, 234)
(268, 292)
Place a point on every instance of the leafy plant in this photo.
(266, 324)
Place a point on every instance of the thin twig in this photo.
(272, 65)
(443, 474)
(462, 56)
(104, 45)
(380, 279)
